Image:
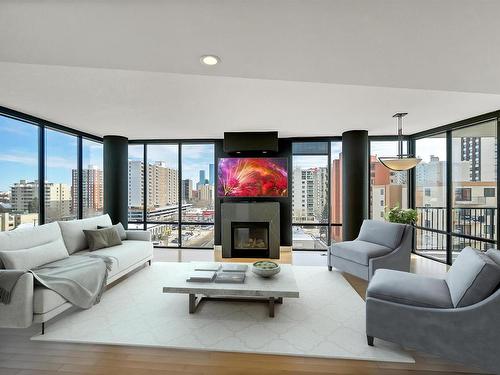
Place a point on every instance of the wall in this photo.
(285, 151)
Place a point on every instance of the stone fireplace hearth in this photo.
(250, 230)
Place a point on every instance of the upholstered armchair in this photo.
(456, 317)
(379, 245)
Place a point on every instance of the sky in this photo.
(19, 153)
(195, 157)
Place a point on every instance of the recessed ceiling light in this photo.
(210, 60)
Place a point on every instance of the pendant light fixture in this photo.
(401, 162)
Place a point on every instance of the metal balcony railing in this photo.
(474, 227)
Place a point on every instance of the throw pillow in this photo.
(120, 229)
(102, 238)
(34, 256)
(472, 277)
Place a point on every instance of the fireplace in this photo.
(250, 230)
(250, 239)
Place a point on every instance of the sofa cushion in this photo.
(409, 289)
(119, 228)
(472, 277)
(102, 238)
(125, 255)
(34, 256)
(24, 238)
(359, 251)
(382, 233)
(45, 300)
(72, 231)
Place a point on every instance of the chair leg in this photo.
(149, 261)
(330, 268)
(43, 328)
(370, 340)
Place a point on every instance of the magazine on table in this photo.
(201, 276)
(234, 267)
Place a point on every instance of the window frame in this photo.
(448, 231)
(179, 223)
(42, 126)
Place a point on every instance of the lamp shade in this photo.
(399, 163)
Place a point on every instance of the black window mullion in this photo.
(80, 176)
(41, 174)
(328, 238)
(179, 194)
(145, 188)
(449, 198)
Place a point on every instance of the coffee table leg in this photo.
(271, 307)
(192, 303)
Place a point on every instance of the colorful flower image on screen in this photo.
(253, 177)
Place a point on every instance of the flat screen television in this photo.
(252, 177)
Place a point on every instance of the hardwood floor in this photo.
(20, 356)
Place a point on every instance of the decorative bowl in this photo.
(266, 268)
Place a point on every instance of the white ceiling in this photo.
(304, 68)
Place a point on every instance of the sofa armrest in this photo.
(19, 312)
(139, 235)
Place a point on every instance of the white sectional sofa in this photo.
(36, 304)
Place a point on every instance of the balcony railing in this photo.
(474, 227)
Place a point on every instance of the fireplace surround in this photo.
(250, 230)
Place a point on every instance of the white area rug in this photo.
(328, 320)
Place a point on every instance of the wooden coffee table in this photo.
(254, 289)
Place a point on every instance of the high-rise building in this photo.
(203, 179)
(310, 194)
(161, 184)
(211, 174)
(135, 183)
(92, 189)
(187, 190)
(478, 151)
(57, 199)
(205, 193)
(24, 196)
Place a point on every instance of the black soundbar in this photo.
(237, 142)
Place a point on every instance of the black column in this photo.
(355, 182)
(116, 178)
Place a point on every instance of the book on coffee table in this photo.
(207, 266)
(201, 276)
(230, 277)
(234, 267)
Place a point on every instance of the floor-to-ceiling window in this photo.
(310, 195)
(136, 186)
(388, 188)
(92, 178)
(474, 187)
(162, 170)
(48, 172)
(179, 178)
(61, 176)
(430, 196)
(19, 203)
(456, 189)
(197, 195)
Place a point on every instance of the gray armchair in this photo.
(456, 318)
(379, 245)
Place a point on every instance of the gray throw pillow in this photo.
(119, 228)
(26, 259)
(102, 238)
(472, 277)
